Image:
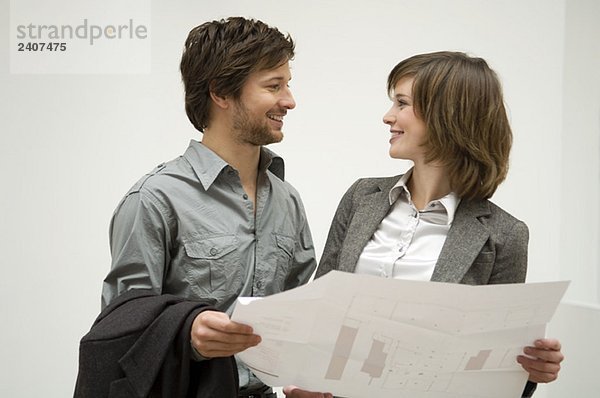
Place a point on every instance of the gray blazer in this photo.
(484, 245)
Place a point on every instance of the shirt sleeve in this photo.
(140, 246)
(304, 261)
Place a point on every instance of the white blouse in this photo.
(408, 242)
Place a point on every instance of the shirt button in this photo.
(245, 197)
(213, 251)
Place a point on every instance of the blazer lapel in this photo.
(465, 240)
(371, 209)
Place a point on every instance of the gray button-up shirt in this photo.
(188, 228)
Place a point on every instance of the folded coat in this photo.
(139, 346)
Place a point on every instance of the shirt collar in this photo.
(269, 160)
(400, 187)
(450, 201)
(208, 165)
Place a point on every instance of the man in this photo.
(220, 222)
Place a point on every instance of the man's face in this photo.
(264, 101)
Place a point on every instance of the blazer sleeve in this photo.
(510, 265)
(337, 232)
(529, 389)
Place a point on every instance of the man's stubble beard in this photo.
(253, 131)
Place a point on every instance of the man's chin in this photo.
(273, 138)
(277, 136)
(263, 137)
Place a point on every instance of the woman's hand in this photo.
(542, 361)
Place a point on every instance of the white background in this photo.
(73, 144)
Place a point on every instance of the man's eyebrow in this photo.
(276, 78)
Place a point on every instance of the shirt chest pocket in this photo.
(213, 265)
(282, 259)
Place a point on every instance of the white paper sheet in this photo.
(363, 336)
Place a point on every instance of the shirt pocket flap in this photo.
(285, 243)
(210, 248)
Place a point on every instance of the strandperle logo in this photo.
(75, 37)
(84, 31)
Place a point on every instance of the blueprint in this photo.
(364, 336)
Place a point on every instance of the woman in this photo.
(435, 222)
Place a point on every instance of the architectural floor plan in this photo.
(363, 336)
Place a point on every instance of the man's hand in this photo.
(215, 335)
(295, 392)
(542, 361)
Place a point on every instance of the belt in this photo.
(265, 392)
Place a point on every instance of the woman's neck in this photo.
(428, 182)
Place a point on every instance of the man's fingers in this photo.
(221, 341)
(228, 326)
(220, 321)
(295, 392)
(213, 334)
(210, 352)
(221, 344)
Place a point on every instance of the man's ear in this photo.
(221, 101)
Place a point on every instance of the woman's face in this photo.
(408, 130)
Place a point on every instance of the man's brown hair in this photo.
(219, 56)
(460, 100)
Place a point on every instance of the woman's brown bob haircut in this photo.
(220, 55)
(460, 100)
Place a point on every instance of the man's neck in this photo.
(243, 157)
